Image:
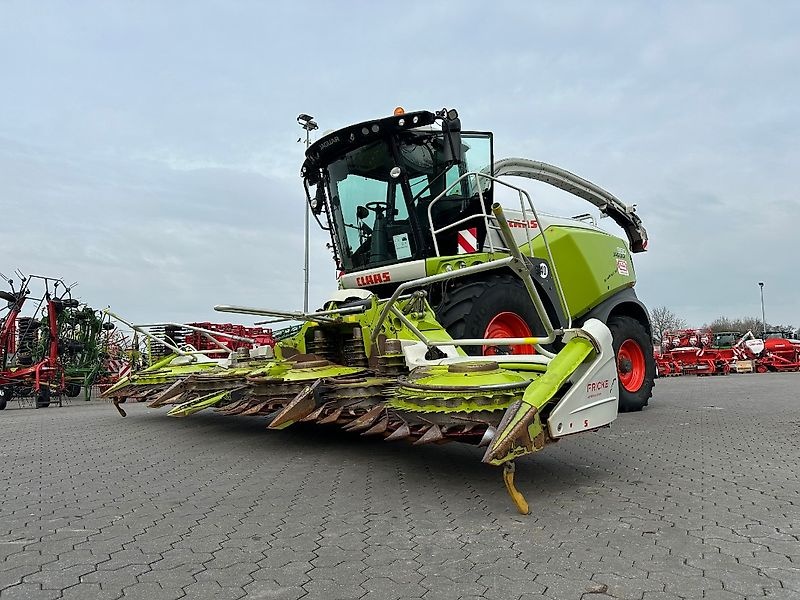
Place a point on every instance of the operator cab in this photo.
(725, 339)
(375, 182)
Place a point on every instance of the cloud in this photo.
(154, 241)
(149, 150)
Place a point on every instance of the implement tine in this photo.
(379, 428)
(333, 417)
(366, 420)
(301, 406)
(176, 389)
(254, 410)
(400, 433)
(234, 407)
(315, 415)
(434, 434)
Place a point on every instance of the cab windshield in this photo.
(725, 339)
(379, 195)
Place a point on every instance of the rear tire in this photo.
(499, 304)
(636, 366)
(5, 395)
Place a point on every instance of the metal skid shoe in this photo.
(578, 392)
(516, 496)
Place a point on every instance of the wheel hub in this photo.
(507, 325)
(625, 366)
(631, 365)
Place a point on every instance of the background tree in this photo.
(664, 319)
(745, 324)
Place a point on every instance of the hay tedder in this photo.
(56, 350)
(456, 319)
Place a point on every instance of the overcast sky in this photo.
(148, 150)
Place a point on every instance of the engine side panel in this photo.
(591, 265)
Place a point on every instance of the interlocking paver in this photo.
(273, 591)
(325, 589)
(695, 497)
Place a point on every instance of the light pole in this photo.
(763, 318)
(306, 122)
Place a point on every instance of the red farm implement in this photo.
(667, 366)
(703, 352)
(246, 338)
(781, 353)
(29, 346)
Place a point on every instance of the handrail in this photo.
(509, 240)
(515, 261)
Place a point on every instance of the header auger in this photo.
(456, 319)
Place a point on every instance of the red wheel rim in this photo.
(631, 365)
(508, 325)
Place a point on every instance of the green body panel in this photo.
(422, 317)
(314, 373)
(563, 365)
(441, 264)
(586, 262)
(440, 377)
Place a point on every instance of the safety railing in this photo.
(514, 261)
(491, 224)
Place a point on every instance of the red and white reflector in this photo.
(468, 241)
(114, 366)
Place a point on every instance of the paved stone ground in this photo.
(696, 497)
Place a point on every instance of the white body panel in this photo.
(755, 346)
(345, 294)
(389, 274)
(414, 353)
(593, 399)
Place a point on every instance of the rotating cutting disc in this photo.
(462, 387)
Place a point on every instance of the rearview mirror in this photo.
(319, 199)
(452, 140)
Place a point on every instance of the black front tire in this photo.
(467, 310)
(5, 396)
(627, 329)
